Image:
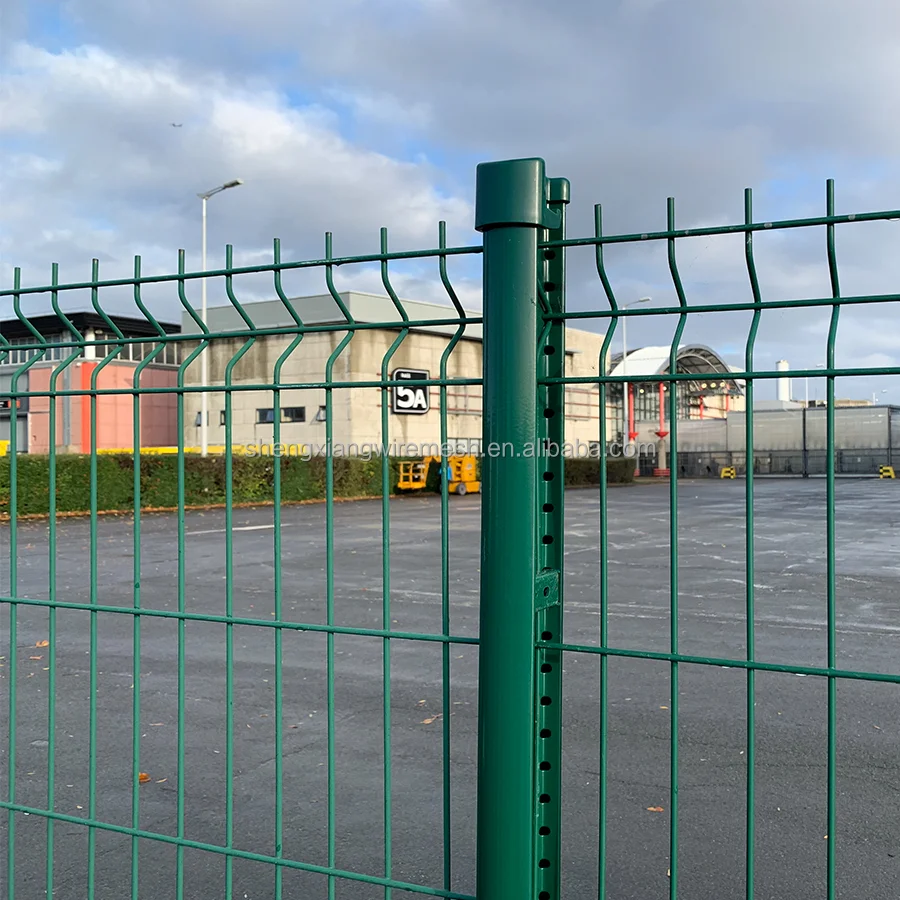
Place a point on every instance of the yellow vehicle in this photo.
(461, 471)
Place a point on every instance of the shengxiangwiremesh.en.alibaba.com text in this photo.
(506, 450)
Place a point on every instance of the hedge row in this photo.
(205, 481)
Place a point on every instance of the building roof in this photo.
(321, 309)
(692, 358)
(51, 324)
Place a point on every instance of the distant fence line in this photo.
(790, 442)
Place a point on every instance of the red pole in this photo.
(632, 434)
(662, 426)
(662, 412)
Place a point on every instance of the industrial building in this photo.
(107, 360)
(414, 419)
(789, 434)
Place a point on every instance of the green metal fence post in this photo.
(511, 206)
(548, 627)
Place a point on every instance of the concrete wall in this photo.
(357, 411)
(857, 428)
(115, 413)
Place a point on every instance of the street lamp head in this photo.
(237, 182)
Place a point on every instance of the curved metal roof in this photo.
(693, 358)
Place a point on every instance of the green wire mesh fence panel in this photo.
(218, 690)
(214, 688)
(655, 809)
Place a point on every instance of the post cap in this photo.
(559, 190)
(514, 192)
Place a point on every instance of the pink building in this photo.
(78, 361)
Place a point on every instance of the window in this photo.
(321, 414)
(173, 353)
(198, 419)
(293, 414)
(265, 416)
(221, 416)
(464, 400)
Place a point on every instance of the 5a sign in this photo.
(410, 399)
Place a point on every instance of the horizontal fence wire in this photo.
(828, 461)
(78, 382)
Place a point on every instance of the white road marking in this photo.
(235, 528)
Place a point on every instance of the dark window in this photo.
(265, 416)
(293, 414)
(321, 414)
(198, 420)
(221, 416)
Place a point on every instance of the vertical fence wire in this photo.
(445, 564)
(831, 837)
(603, 563)
(52, 584)
(750, 556)
(329, 555)
(386, 565)
(278, 800)
(673, 558)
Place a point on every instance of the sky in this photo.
(355, 115)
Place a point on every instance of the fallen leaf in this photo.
(42, 644)
(664, 707)
(654, 809)
(35, 657)
(143, 777)
(156, 724)
(162, 781)
(430, 720)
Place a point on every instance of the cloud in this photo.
(352, 114)
(106, 175)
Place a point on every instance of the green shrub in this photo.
(205, 481)
(586, 472)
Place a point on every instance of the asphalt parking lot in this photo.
(791, 711)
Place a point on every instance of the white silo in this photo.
(784, 384)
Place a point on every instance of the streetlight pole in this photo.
(204, 359)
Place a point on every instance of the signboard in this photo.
(410, 399)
